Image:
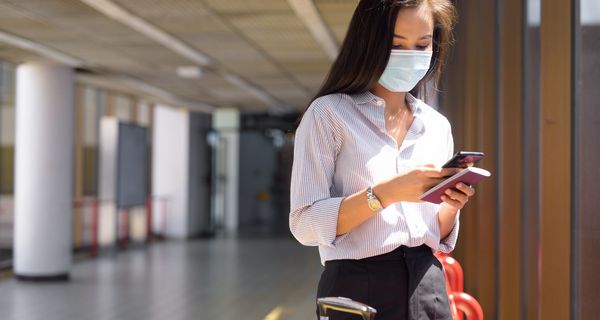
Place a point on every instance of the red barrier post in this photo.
(149, 230)
(124, 228)
(453, 270)
(94, 226)
(455, 273)
(453, 309)
(454, 276)
(164, 217)
(466, 303)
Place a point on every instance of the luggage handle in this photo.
(344, 305)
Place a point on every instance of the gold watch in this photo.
(373, 201)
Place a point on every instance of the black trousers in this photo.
(407, 283)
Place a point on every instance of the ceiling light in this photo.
(308, 13)
(118, 13)
(118, 83)
(190, 72)
(47, 52)
(253, 90)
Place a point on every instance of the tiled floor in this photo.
(220, 279)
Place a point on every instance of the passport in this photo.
(469, 176)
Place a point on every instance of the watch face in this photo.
(374, 205)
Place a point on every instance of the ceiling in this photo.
(263, 42)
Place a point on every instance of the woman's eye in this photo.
(399, 47)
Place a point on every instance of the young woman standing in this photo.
(365, 149)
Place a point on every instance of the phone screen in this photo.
(462, 158)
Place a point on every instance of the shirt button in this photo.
(379, 102)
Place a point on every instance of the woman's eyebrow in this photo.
(428, 36)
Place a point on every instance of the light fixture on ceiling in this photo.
(190, 72)
(118, 13)
(308, 13)
(253, 90)
(119, 82)
(40, 49)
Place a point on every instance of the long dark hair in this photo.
(366, 48)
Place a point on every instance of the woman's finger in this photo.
(468, 190)
(431, 172)
(447, 172)
(451, 202)
(440, 172)
(457, 195)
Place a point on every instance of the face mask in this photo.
(405, 69)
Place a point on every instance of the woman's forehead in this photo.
(414, 22)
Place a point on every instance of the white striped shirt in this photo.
(342, 147)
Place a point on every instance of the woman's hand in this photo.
(406, 186)
(454, 200)
(412, 183)
(457, 198)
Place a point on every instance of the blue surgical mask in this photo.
(405, 69)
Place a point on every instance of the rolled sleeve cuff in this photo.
(318, 223)
(447, 244)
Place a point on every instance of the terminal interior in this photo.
(146, 148)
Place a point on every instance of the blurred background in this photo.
(146, 149)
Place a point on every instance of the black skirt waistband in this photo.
(399, 253)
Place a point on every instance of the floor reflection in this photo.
(224, 278)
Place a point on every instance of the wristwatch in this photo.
(373, 201)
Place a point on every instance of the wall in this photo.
(521, 87)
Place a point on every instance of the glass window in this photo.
(7, 127)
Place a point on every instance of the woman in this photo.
(365, 150)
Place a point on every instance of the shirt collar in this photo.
(364, 97)
(372, 107)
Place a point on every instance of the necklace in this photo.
(400, 111)
(403, 110)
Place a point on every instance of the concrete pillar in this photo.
(107, 181)
(170, 170)
(43, 171)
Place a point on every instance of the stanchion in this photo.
(464, 302)
(124, 229)
(149, 231)
(94, 227)
(454, 281)
(163, 215)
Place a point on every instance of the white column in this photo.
(170, 169)
(107, 181)
(43, 171)
(227, 122)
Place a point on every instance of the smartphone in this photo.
(462, 158)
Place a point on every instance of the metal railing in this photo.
(461, 303)
(89, 211)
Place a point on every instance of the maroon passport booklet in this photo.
(468, 176)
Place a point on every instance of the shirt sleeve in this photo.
(447, 244)
(314, 212)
